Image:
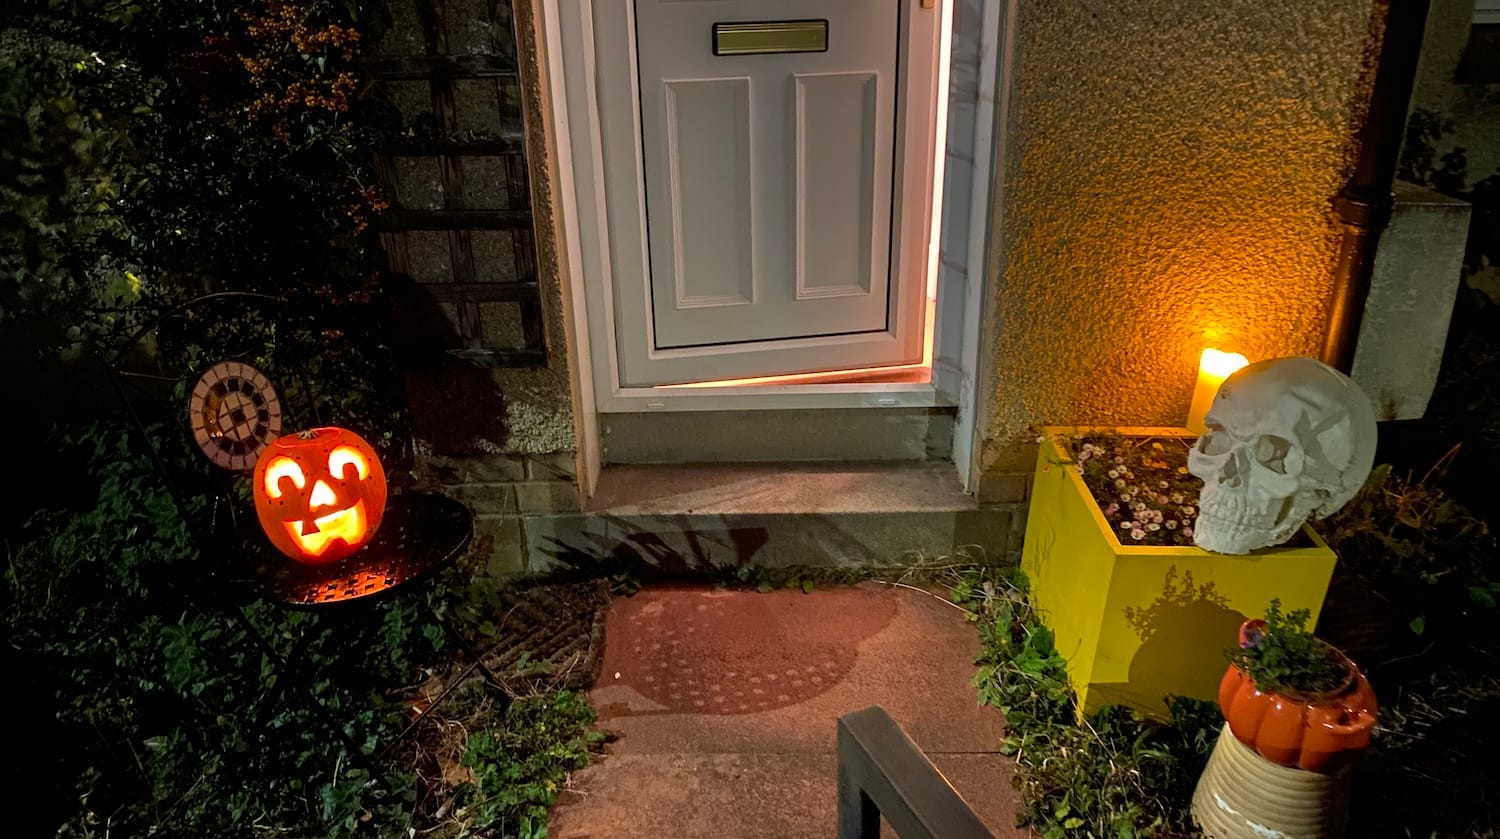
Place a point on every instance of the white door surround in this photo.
(574, 71)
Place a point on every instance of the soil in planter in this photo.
(1143, 487)
(1141, 484)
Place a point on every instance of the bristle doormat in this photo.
(548, 636)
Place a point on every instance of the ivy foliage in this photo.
(67, 157)
(1414, 605)
(520, 764)
(153, 152)
(178, 706)
(1114, 774)
(158, 150)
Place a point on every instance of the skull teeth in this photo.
(1232, 524)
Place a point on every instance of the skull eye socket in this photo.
(1271, 452)
(283, 467)
(343, 456)
(1215, 440)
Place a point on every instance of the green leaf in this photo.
(1072, 823)
(1418, 625)
(1031, 664)
(807, 586)
(1040, 640)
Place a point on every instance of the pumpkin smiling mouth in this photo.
(316, 535)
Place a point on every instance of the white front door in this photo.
(765, 166)
(768, 175)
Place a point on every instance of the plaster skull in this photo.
(1286, 439)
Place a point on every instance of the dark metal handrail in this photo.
(882, 772)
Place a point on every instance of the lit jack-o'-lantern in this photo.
(319, 494)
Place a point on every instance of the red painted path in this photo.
(725, 703)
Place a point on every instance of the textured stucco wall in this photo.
(539, 411)
(1169, 169)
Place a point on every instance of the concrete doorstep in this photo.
(680, 519)
(725, 704)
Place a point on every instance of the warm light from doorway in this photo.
(903, 373)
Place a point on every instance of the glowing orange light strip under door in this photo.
(908, 373)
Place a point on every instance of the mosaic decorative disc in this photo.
(235, 414)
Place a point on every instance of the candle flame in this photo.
(1221, 364)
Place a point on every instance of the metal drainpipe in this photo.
(1364, 204)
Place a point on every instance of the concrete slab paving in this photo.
(725, 704)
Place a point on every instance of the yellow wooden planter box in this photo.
(1138, 623)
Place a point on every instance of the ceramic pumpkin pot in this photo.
(1318, 732)
(319, 494)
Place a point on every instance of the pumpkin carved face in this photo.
(319, 494)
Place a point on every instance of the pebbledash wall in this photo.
(1168, 173)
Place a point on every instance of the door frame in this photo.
(567, 62)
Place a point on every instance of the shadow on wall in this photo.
(673, 546)
(455, 408)
(1184, 633)
(679, 547)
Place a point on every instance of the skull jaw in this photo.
(1230, 524)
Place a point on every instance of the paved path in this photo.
(725, 703)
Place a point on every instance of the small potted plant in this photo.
(1293, 698)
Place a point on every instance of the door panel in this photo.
(710, 198)
(768, 177)
(837, 172)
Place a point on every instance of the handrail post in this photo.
(881, 771)
(859, 818)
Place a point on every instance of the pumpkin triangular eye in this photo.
(343, 456)
(282, 467)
